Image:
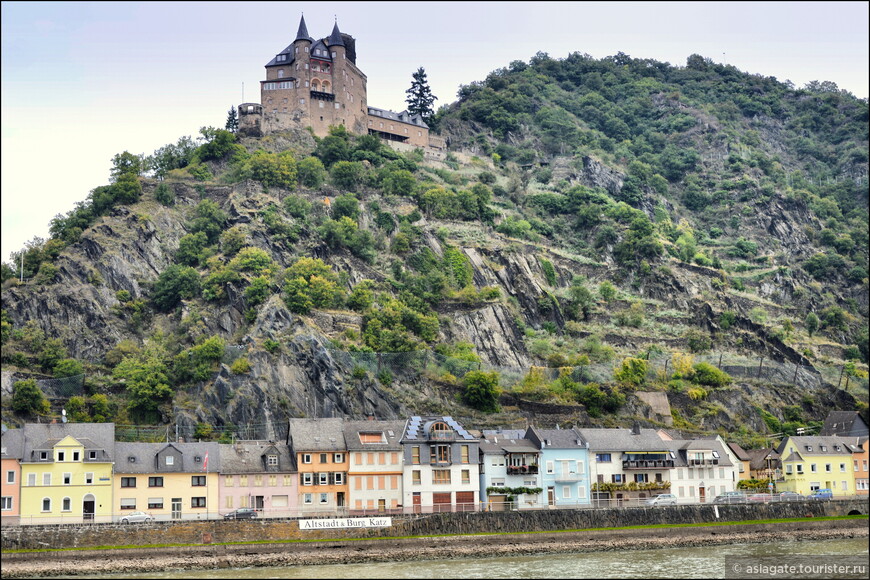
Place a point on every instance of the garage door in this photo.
(465, 501)
(441, 502)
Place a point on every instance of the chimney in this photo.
(635, 428)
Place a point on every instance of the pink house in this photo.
(10, 465)
(259, 475)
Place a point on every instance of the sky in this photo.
(83, 81)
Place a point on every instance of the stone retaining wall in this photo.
(219, 531)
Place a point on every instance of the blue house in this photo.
(564, 465)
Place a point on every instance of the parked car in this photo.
(790, 496)
(137, 518)
(662, 499)
(241, 514)
(760, 498)
(824, 493)
(730, 497)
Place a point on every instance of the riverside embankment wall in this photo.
(220, 531)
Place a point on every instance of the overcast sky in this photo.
(82, 81)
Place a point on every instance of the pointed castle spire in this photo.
(302, 34)
(335, 38)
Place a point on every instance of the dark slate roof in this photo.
(391, 430)
(12, 446)
(247, 457)
(844, 423)
(316, 435)
(143, 455)
(623, 440)
(403, 117)
(739, 452)
(335, 38)
(291, 57)
(416, 429)
(704, 444)
(93, 436)
(507, 441)
(302, 34)
(758, 458)
(831, 444)
(557, 438)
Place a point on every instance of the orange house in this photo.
(318, 447)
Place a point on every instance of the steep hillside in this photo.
(604, 242)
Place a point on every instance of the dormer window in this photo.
(836, 447)
(170, 460)
(197, 459)
(809, 447)
(131, 459)
(43, 455)
(823, 447)
(281, 58)
(272, 459)
(716, 454)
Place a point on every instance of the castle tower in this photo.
(311, 83)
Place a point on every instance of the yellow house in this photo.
(169, 481)
(817, 462)
(66, 473)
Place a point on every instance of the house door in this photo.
(176, 508)
(416, 502)
(258, 502)
(88, 508)
(551, 496)
(702, 493)
(382, 505)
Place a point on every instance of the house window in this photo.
(197, 502)
(415, 477)
(273, 480)
(828, 467)
(92, 455)
(813, 467)
(43, 455)
(67, 478)
(229, 480)
(155, 503)
(308, 498)
(339, 478)
(272, 460)
(243, 480)
(280, 73)
(550, 467)
(602, 457)
(66, 506)
(229, 502)
(324, 498)
(307, 479)
(197, 481)
(6, 503)
(641, 477)
(170, 460)
(306, 458)
(466, 476)
(338, 458)
(75, 456)
(10, 475)
(128, 503)
(155, 482)
(31, 479)
(323, 478)
(128, 482)
(46, 479)
(788, 469)
(441, 476)
(258, 481)
(566, 492)
(439, 454)
(324, 458)
(61, 456)
(463, 450)
(287, 481)
(800, 468)
(618, 478)
(46, 504)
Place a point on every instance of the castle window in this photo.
(306, 66)
(321, 104)
(280, 73)
(306, 49)
(338, 106)
(281, 58)
(301, 101)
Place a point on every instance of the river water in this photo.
(840, 558)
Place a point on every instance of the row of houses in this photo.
(77, 472)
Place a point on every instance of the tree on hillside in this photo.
(420, 97)
(232, 120)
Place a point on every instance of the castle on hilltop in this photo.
(316, 83)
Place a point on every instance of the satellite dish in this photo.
(63, 415)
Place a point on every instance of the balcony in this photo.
(522, 470)
(648, 464)
(569, 477)
(703, 462)
(320, 95)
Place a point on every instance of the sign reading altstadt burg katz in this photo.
(345, 523)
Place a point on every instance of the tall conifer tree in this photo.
(420, 97)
